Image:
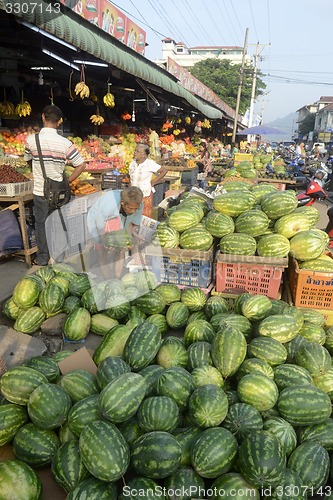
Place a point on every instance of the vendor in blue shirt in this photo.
(114, 210)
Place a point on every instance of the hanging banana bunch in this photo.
(81, 88)
(24, 108)
(97, 119)
(7, 108)
(108, 99)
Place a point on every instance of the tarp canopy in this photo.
(92, 40)
(261, 130)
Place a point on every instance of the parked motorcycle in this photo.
(312, 193)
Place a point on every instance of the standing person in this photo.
(141, 172)
(268, 148)
(154, 143)
(114, 210)
(56, 151)
(204, 163)
(298, 150)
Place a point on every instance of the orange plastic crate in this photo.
(312, 289)
(241, 273)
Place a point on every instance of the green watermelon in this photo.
(304, 405)
(79, 384)
(218, 224)
(273, 245)
(283, 431)
(35, 446)
(158, 413)
(142, 346)
(242, 419)
(30, 320)
(258, 390)
(82, 413)
(277, 204)
(26, 293)
(229, 204)
(77, 324)
(48, 406)
(238, 244)
(307, 245)
(67, 468)
(19, 382)
(165, 236)
(177, 383)
(19, 481)
(112, 344)
(109, 369)
(12, 417)
(252, 222)
(196, 238)
(311, 462)
(208, 406)
(228, 351)
(51, 299)
(177, 315)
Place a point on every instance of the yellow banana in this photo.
(97, 119)
(108, 100)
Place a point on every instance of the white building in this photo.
(188, 56)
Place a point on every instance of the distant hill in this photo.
(286, 124)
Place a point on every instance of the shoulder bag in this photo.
(58, 193)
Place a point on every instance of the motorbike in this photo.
(323, 175)
(313, 192)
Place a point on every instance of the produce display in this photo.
(191, 391)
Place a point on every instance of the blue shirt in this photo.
(107, 207)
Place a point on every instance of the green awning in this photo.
(89, 38)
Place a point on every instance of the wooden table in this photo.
(18, 202)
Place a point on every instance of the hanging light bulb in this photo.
(40, 79)
(133, 116)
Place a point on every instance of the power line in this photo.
(196, 20)
(254, 24)
(296, 80)
(236, 17)
(161, 15)
(222, 17)
(191, 29)
(134, 17)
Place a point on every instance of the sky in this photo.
(294, 36)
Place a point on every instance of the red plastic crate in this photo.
(237, 274)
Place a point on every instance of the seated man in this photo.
(113, 211)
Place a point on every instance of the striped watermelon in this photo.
(77, 324)
(260, 190)
(109, 369)
(45, 272)
(238, 244)
(228, 351)
(170, 293)
(160, 321)
(310, 212)
(10, 309)
(268, 349)
(146, 280)
(242, 419)
(283, 431)
(184, 480)
(112, 344)
(172, 354)
(158, 413)
(290, 482)
(261, 460)
(208, 406)
(325, 382)
(311, 462)
(256, 307)
(232, 483)
(60, 355)
(19, 481)
(83, 413)
(199, 330)
(151, 303)
(79, 384)
(287, 375)
(291, 224)
(51, 299)
(130, 430)
(177, 315)
(313, 357)
(79, 284)
(30, 320)
(71, 303)
(313, 333)
(93, 300)
(35, 446)
(232, 320)
(117, 306)
(273, 245)
(252, 222)
(94, 489)
(320, 433)
(38, 279)
(26, 293)
(215, 305)
(46, 365)
(12, 417)
(62, 282)
(121, 398)
(194, 298)
(255, 365)
(101, 324)
(156, 455)
(199, 354)
(48, 406)
(67, 468)
(308, 245)
(151, 374)
(148, 488)
(65, 434)
(177, 383)
(186, 437)
(114, 461)
(279, 327)
(204, 375)
(258, 390)
(218, 224)
(142, 346)
(196, 238)
(232, 205)
(183, 219)
(304, 405)
(278, 204)
(165, 236)
(197, 315)
(213, 452)
(19, 382)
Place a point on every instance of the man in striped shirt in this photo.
(56, 151)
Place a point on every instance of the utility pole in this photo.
(254, 82)
(240, 87)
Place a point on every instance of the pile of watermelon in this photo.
(248, 220)
(192, 398)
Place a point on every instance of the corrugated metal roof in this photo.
(87, 37)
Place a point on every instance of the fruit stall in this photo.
(205, 373)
